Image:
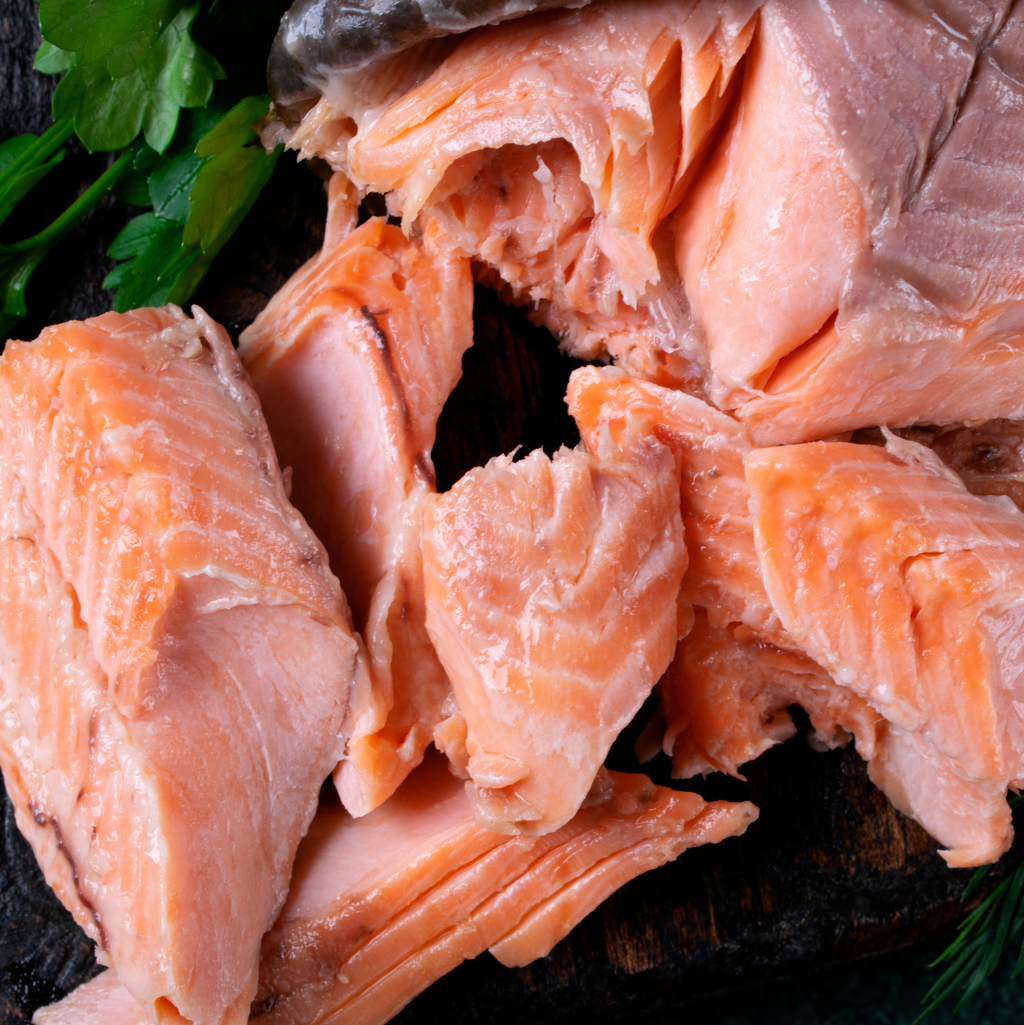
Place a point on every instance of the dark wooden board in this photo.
(829, 873)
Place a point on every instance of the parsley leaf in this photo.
(209, 178)
(116, 35)
(52, 60)
(236, 169)
(133, 187)
(156, 260)
(171, 180)
(109, 111)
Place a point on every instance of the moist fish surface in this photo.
(725, 697)
(175, 655)
(550, 148)
(383, 905)
(851, 252)
(551, 591)
(910, 590)
(353, 360)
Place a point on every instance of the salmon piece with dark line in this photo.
(353, 360)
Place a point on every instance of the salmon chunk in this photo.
(550, 148)
(724, 698)
(382, 906)
(910, 590)
(353, 360)
(176, 654)
(851, 253)
(551, 598)
(722, 573)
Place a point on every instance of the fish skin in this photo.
(153, 598)
(322, 47)
(551, 589)
(924, 586)
(353, 360)
(383, 905)
(632, 90)
(910, 317)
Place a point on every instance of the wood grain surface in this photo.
(829, 872)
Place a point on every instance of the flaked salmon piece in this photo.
(382, 906)
(101, 1001)
(551, 147)
(970, 817)
(722, 574)
(551, 591)
(910, 591)
(847, 254)
(725, 696)
(525, 215)
(353, 360)
(170, 631)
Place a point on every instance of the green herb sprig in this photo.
(200, 193)
(135, 80)
(982, 938)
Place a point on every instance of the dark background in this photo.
(828, 910)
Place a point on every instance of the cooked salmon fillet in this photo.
(550, 147)
(175, 654)
(910, 590)
(722, 574)
(551, 591)
(850, 253)
(353, 360)
(382, 906)
(724, 698)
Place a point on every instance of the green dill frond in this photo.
(982, 937)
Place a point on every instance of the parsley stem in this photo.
(78, 209)
(52, 139)
(19, 259)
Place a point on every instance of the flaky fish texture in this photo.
(551, 591)
(549, 149)
(910, 590)
(175, 654)
(726, 695)
(851, 253)
(382, 906)
(353, 360)
(866, 584)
